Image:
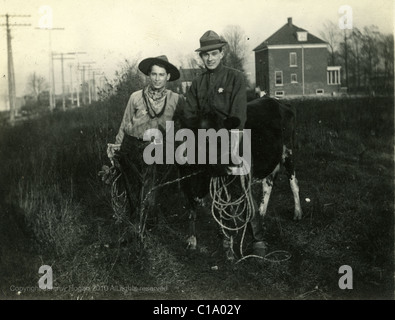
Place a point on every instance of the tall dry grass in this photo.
(344, 164)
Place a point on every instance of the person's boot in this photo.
(259, 248)
(258, 233)
(227, 245)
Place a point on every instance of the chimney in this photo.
(290, 22)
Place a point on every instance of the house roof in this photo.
(187, 75)
(287, 35)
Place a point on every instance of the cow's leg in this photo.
(196, 189)
(295, 190)
(192, 241)
(293, 182)
(267, 186)
(192, 208)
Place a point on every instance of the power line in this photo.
(62, 58)
(84, 89)
(52, 92)
(11, 73)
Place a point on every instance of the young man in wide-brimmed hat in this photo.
(146, 109)
(152, 106)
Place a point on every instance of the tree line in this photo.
(366, 56)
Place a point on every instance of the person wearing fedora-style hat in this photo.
(220, 89)
(220, 93)
(152, 106)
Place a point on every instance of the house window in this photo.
(302, 36)
(292, 59)
(319, 92)
(333, 75)
(279, 93)
(279, 78)
(294, 78)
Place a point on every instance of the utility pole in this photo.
(346, 57)
(52, 92)
(62, 58)
(94, 89)
(83, 86)
(11, 74)
(78, 86)
(71, 85)
(83, 69)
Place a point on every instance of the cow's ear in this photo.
(231, 123)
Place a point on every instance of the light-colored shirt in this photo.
(137, 120)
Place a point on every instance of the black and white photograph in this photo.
(198, 151)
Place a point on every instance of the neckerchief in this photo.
(160, 95)
(155, 94)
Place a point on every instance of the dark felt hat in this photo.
(210, 41)
(145, 65)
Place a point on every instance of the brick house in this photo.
(293, 62)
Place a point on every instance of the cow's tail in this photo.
(289, 124)
(294, 142)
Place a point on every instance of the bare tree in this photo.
(191, 61)
(366, 56)
(36, 84)
(370, 54)
(331, 34)
(236, 50)
(387, 54)
(126, 81)
(356, 41)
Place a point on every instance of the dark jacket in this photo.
(222, 91)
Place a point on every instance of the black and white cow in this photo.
(272, 125)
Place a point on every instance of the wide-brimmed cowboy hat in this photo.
(145, 65)
(210, 41)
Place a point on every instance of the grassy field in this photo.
(55, 210)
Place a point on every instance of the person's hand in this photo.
(107, 174)
(231, 123)
(112, 149)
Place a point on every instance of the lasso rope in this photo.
(237, 212)
(240, 211)
(223, 209)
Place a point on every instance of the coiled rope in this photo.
(223, 209)
(234, 215)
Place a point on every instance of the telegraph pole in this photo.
(83, 86)
(94, 91)
(62, 58)
(11, 74)
(78, 86)
(71, 85)
(83, 69)
(52, 92)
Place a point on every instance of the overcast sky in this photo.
(110, 31)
